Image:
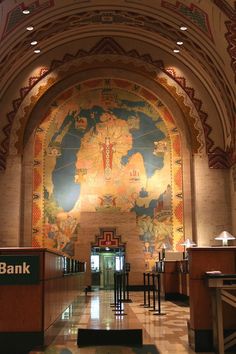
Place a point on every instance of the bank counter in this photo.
(212, 282)
(36, 286)
(174, 279)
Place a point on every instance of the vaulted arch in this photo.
(132, 42)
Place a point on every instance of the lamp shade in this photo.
(225, 236)
(164, 245)
(188, 243)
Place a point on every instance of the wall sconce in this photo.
(187, 243)
(225, 236)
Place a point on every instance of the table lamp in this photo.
(164, 247)
(187, 243)
(225, 236)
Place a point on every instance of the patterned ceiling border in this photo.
(190, 113)
(231, 39)
(225, 7)
(231, 27)
(15, 16)
(127, 18)
(193, 14)
(105, 46)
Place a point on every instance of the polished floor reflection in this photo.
(163, 334)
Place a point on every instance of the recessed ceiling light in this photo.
(34, 43)
(30, 28)
(26, 12)
(180, 42)
(183, 28)
(37, 51)
(176, 50)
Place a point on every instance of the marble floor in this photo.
(162, 334)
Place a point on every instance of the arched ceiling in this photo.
(143, 31)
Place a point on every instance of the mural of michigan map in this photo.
(106, 147)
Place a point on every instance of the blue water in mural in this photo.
(66, 191)
(143, 143)
(142, 210)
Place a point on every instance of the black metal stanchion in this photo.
(159, 313)
(144, 291)
(114, 304)
(116, 292)
(120, 310)
(125, 283)
(148, 290)
(127, 287)
(124, 287)
(153, 293)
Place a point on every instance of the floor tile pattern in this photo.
(162, 334)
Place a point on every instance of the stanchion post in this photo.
(127, 287)
(159, 313)
(114, 304)
(148, 285)
(144, 291)
(153, 292)
(123, 285)
(120, 310)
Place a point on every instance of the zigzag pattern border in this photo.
(197, 103)
(230, 36)
(131, 18)
(231, 39)
(109, 46)
(187, 10)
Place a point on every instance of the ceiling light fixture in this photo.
(180, 42)
(37, 51)
(26, 12)
(34, 43)
(176, 50)
(183, 28)
(30, 28)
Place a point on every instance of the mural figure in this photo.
(107, 149)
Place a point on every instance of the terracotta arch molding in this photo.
(26, 125)
(107, 46)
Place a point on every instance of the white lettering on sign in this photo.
(14, 269)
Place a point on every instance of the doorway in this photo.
(104, 262)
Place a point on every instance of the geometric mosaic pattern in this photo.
(192, 13)
(15, 17)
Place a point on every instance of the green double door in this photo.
(107, 266)
(104, 262)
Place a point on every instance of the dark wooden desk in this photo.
(200, 325)
(174, 279)
(223, 291)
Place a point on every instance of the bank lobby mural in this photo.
(107, 145)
